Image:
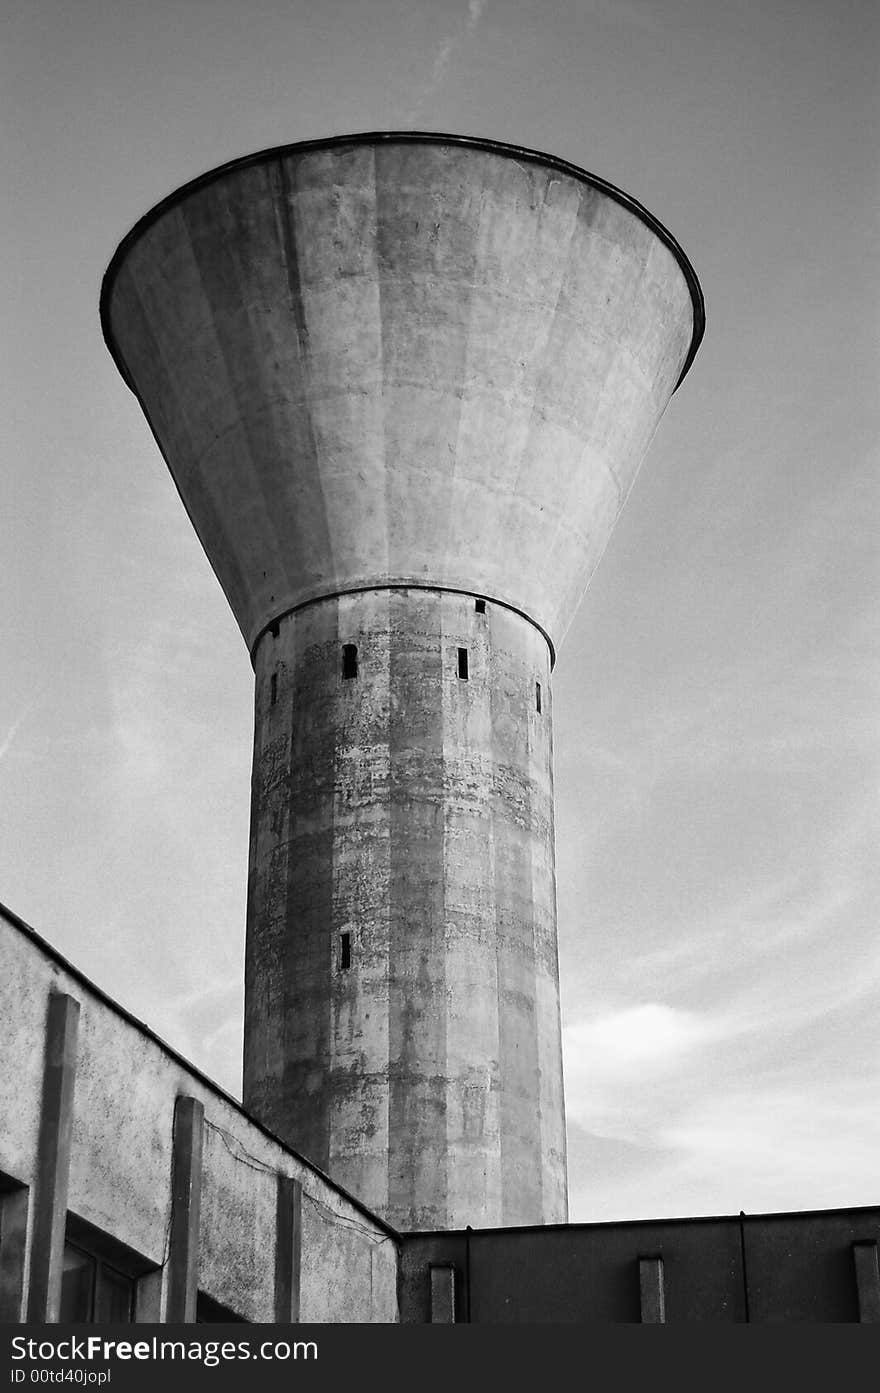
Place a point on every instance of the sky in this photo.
(717, 736)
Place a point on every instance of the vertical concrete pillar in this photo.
(867, 1281)
(186, 1196)
(53, 1160)
(652, 1292)
(148, 1298)
(288, 1250)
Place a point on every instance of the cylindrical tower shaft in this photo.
(404, 384)
(402, 997)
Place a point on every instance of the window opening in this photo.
(538, 697)
(480, 606)
(345, 952)
(463, 664)
(273, 688)
(349, 660)
(92, 1291)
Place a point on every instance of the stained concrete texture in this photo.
(402, 995)
(393, 375)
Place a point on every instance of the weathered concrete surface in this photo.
(389, 375)
(121, 1157)
(400, 362)
(413, 811)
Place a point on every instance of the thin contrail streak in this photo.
(476, 9)
(6, 746)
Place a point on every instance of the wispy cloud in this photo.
(8, 740)
(444, 54)
(742, 720)
(649, 1036)
(727, 1025)
(788, 1145)
(783, 1146)
(626, 13)
(780, 1130)
(768, 977)
(703, 1123)
(620, 1064)
(204, 1022)
(798, 914)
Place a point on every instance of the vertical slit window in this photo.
(273, 688)
(349, 660)
(463, 664)
(344, 952)
(538, 697)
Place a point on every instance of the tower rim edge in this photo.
(377, 586)
(498, 147)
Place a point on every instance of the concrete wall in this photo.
(412, 810)
(774, 1268)
(126, 1084)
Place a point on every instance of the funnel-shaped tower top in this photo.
(402, 360)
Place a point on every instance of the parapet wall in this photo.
(761, 1268)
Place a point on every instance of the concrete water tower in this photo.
(403, 384)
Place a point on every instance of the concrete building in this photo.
(133, 1189)
(404, 384)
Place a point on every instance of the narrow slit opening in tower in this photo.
(463, 664)
(538, 697)
(344, 952)
(273, 688)
(349, 660)
(480, 606)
